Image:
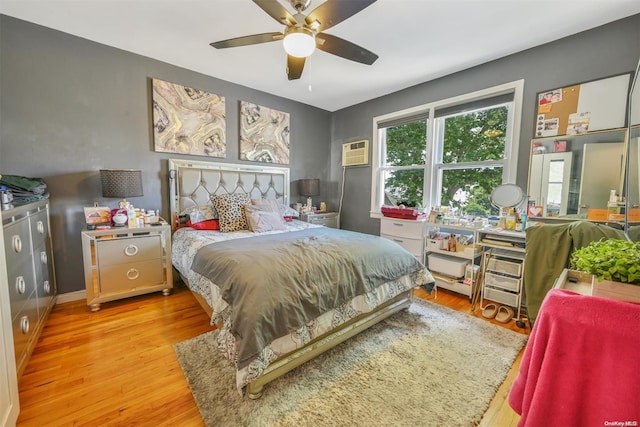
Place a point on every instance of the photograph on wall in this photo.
(550, 97)
(188, 120)
(546, 127)
(264, 134)
(578, 123)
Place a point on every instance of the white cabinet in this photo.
(124, 262)
(454, 268)
(408, 233)
(503, 261)
(30, 271)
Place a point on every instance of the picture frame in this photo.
(97, 216)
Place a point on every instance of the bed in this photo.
(289, 290)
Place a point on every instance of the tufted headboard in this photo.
(192, 183)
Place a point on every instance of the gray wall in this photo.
(69, 107)
(602, 52)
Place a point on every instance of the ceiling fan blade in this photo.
(247, 40)
(294, 67)
(276, 11)
(332, 12)
(345, 49)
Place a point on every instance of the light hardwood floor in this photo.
(117, 367)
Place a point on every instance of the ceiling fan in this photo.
(305, 33)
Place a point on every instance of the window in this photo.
(449, 153)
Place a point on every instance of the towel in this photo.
(581, 365)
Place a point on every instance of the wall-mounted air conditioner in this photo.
(355, 153)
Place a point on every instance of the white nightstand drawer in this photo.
(412, 245)
(401, 228)
(120, 277)
(129, 250)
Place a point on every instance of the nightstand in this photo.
(328, 219)
(122, 262)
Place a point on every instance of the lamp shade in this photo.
(121, 183)
(309, 187)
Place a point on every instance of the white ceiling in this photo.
(416, 40)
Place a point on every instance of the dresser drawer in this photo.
(17, 242)
(21, 284)
(123, 277)
(39, 228)
(411, 245)
(44, 283)
(128, 250)
(24, 324)
(402, 228)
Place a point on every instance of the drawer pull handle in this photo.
(47, 287)
(398, 240)
(398, 224)
(24, 325)
(40, 227)
(16, 241)
(133, 274)
(131, 250)
(43, 257)
(21, 285)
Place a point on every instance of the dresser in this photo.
(123, 262)
(9, 404)
(328, 219)
(408, 233)
(30, 272)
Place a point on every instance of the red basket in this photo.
(402, 213)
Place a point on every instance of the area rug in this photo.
(425, 366)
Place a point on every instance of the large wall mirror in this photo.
(578, 154)
(632, 179)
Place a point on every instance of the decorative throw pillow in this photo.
(288, 212)
(275, 206)
(268, 205)
(201, 213)
(209, 224)
(230, 209)
(260, 220)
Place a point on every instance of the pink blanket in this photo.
(581, 366)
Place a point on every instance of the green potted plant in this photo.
(614, 265)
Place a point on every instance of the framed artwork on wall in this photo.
(264, 134)
(188, 120)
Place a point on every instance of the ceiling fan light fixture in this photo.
(299, 42)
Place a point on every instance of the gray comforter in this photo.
(277, 283)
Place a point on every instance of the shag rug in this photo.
(425, 366)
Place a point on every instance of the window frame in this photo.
(431, 169)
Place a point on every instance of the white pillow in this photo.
(260, 220)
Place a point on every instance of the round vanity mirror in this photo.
(507, 196)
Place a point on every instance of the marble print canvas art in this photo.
(188, 120)
(264, 134)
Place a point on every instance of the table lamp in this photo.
(309, 188)
(121, 183)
